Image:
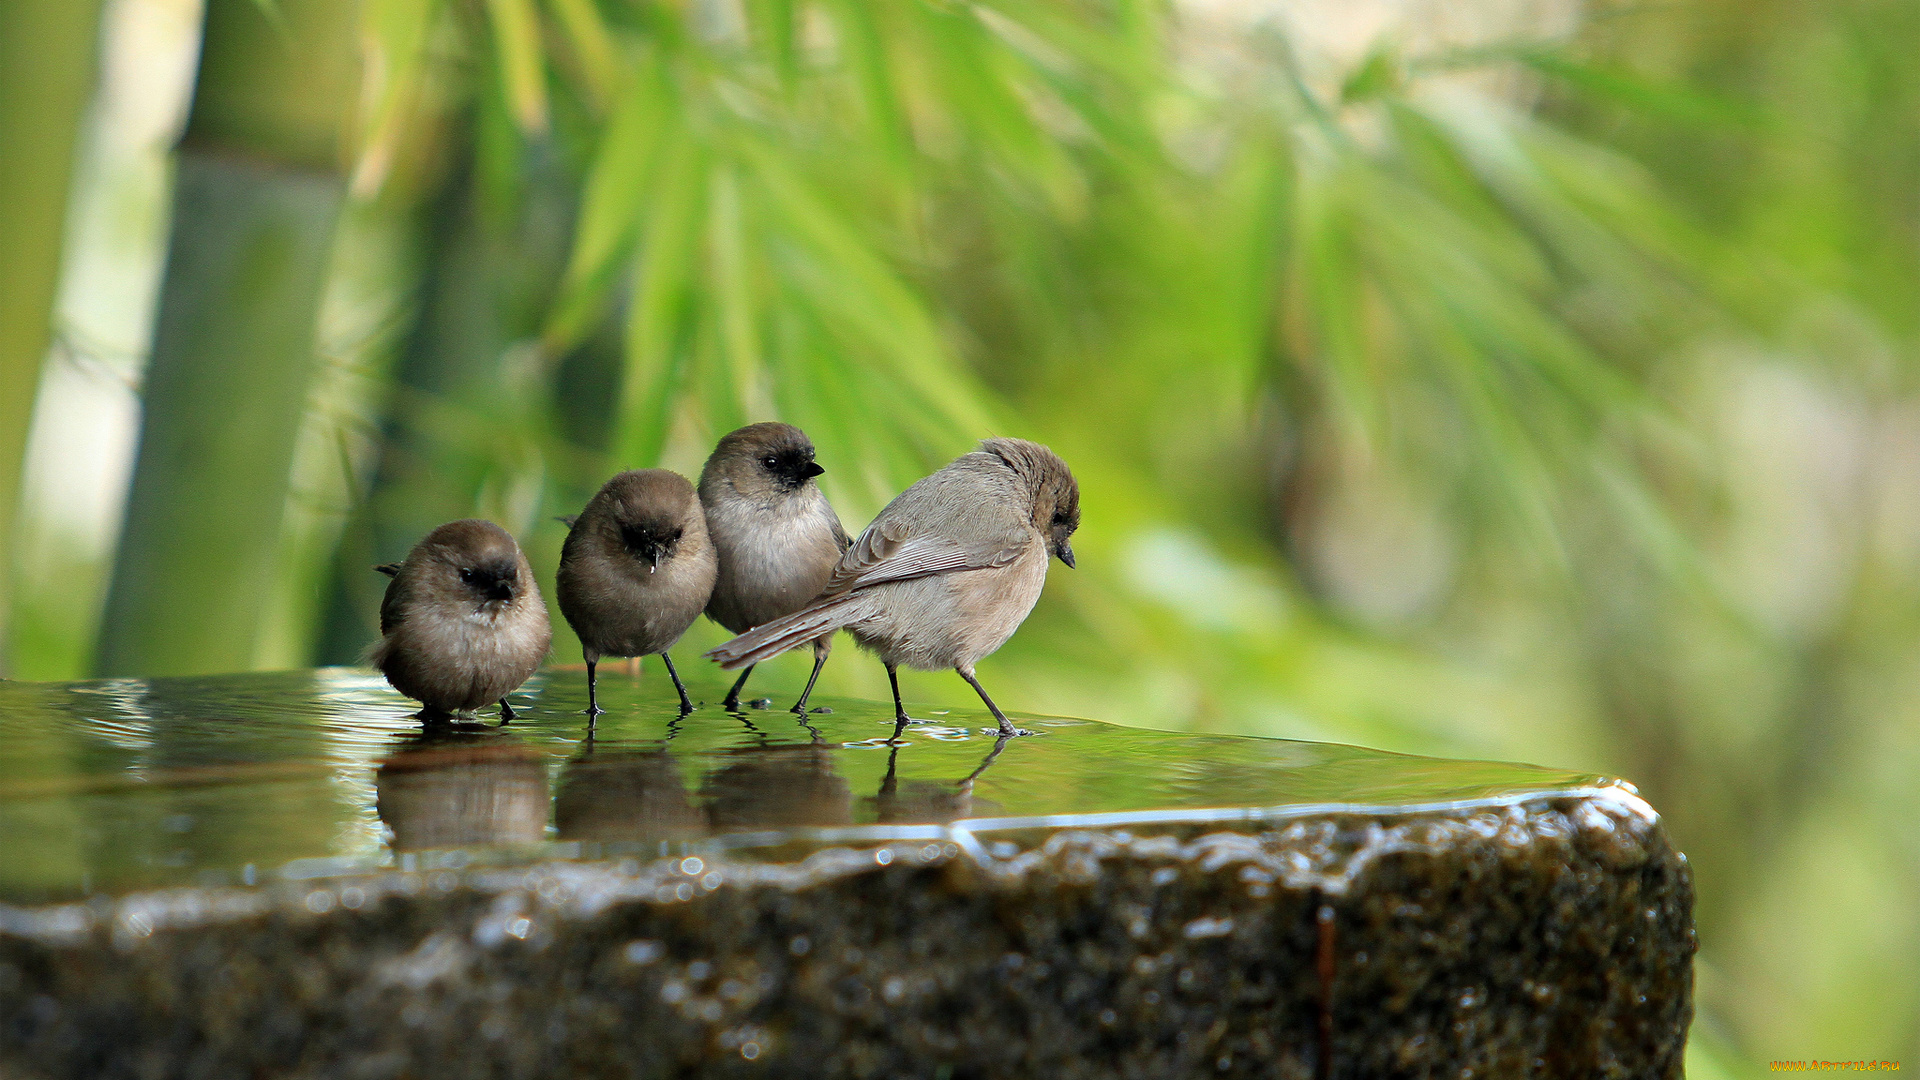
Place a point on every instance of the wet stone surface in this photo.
(282, 875)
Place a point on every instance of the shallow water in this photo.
(120, 784)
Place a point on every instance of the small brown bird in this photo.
(946, 573)
(462, 623)
(775, 533)
(635, 571)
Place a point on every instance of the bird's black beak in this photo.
(811, 469)
(501, 589)
(1066, 554)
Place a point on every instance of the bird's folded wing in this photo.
(885, 553)
(390, 606)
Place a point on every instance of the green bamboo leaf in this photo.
(1673, 103)
(772, 27)
(973, 72)
(517, 49)
(1328, 273)
(394, 68)
(658, 327)
(616, 190)
(859, 31)
(842, 275)
(733, 298)
(593, 47)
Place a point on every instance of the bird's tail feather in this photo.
(769, 640)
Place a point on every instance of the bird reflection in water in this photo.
(625, 795)
(456, 786)
(778, 784)
(926, 802)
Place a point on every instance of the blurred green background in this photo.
(1526, 379)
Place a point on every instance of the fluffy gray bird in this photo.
(462, 623)
(946, 573)
(775, 533)
(635, 571)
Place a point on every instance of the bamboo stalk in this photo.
(258, 193)
(47, 63)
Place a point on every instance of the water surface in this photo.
(127, 783)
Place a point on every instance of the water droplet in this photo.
(691, 866)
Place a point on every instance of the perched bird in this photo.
(775, 533)
(462, 623)
(635, 571)
(946, 573)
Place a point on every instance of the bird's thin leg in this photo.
(506, 711)
(732, 704)
(593, 700)
(1006, 726)
(686, 703)
(819, 661)
(899, 710)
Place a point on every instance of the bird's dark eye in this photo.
(467, 575)
(1060, 518)
(771, 462)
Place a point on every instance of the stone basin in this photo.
(284, 875)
